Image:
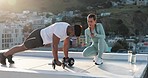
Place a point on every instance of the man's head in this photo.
(74, 30)
(91, 19)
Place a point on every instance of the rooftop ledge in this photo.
(34, 64)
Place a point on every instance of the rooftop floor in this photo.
(34, 64)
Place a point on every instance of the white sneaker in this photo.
(95, 57)
(98, 61)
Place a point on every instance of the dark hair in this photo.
(77, 29)
(92, 16)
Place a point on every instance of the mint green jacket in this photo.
(99, 35)
(98, 45)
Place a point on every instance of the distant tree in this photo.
(48, 15)
(137, 32)
(64, 19)
(120, 44)
(108, 4)
(53, 20)
(89, 2)
(27, 28)
(123, 43)
(122, 29)
(119, 21)
(116, 47)
(48, 24)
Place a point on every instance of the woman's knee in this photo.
(85, 54)
(89, 53)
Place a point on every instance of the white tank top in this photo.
(59, 29)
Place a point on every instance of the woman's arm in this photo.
(101, 33)
(87, 38)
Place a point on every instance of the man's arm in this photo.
(66, 47)
(55, 43)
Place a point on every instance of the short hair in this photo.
(77, 30)
(91, 15)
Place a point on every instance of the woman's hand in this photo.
(92, 35)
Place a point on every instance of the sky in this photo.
(36, 5)
(8, 2)
(14, 5)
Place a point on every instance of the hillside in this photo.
(131, 18)
(135, 18)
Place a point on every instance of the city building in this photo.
(10, 34)
(137, 2)
(142, 2)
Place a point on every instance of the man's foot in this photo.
(65, 60)
(58, 63)
(2, 59)
(10, 59)
(99, 61)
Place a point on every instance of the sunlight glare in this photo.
(2, 1)
(12, 2)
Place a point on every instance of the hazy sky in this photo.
(8, 2)
(37, 5)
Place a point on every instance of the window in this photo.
(2, 40)
(2, 35)
(16, 30)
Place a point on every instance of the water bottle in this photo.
(133, 59)
(129, 56)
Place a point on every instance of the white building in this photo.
(137, 2)
(10, 35)
(38, 23)
(142, 2)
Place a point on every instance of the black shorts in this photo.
(34, 40)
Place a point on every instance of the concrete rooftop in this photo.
(34, 64)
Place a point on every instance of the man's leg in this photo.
(33, 40)
(15, 49)
(9, 54)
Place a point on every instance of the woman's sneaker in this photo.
(2, 59)
(10, 59)
(98, 61)
(94, 59)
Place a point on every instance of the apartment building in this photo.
(10, 35)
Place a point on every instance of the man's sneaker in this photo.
(58, 63)
(98, 61)
(10, 59)
(2, 59)
(65, 60)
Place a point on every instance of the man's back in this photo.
(59, 29)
